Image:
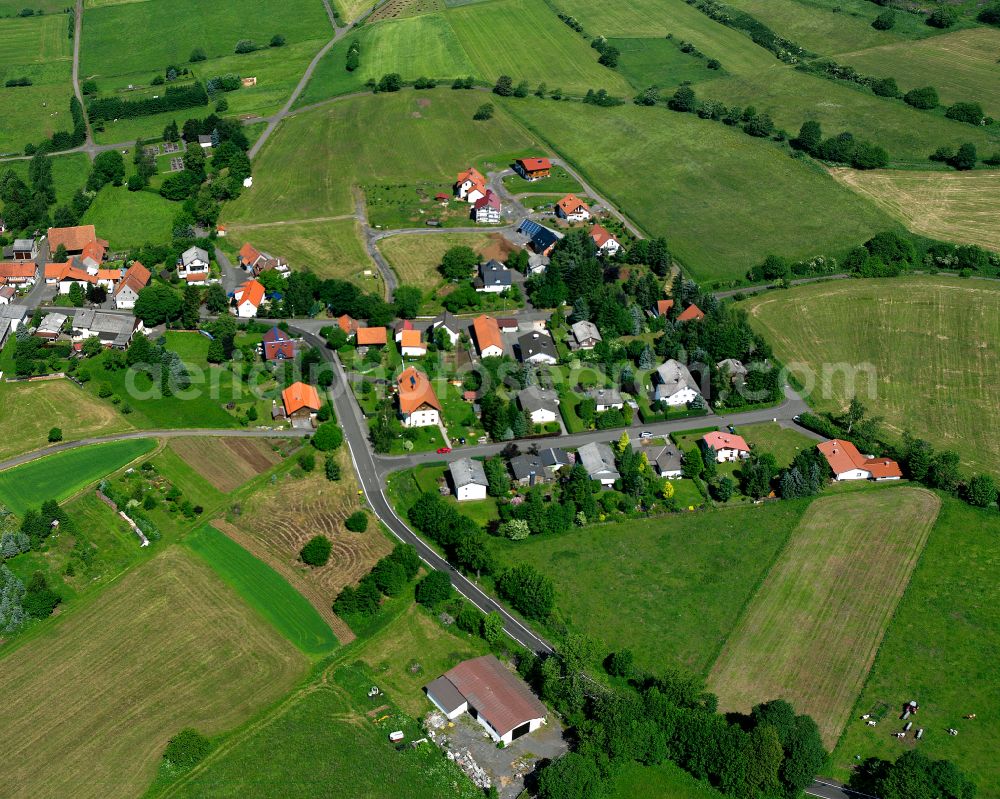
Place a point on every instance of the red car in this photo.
(444, 450)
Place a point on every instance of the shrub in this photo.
(332, 469)
(55, 434)
(434, 588)
(923, 98)
(328, 437)
(885, 20)
(245, 46)
(277, 40)
(198, 54)
(485, 111)
(186, 749)
(357, 522)
(316, 552)
(942, 17)
(391, 82)
(307, 461)
(965, 158)
(991, 14)
(970, 113)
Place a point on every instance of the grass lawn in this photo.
(330, 743)
(201, 405)
(782, 442)
(265, 590)
(918, 345)
(960, 65)
(942, 649)
(559, 182)
(61, 475)
(832, 592)
(36, 48)
(129, 219)
(415, 259)
(828, 27)
(670, 588)
(792, 97)
(660, 62)
(331, 249)
(950, 206)
(182, 25)
(30, 410)
(723, 199)
(635, 781)
(307, 168)
(414, 47)
(168, 646)
(534, 45)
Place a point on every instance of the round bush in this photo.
(357, 522)
(316, 552)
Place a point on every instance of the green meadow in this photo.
(265, 590)
(722, 198)
(130, 218)
(61, 475)
(307, 168)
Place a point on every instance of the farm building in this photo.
(468, 479)
(495, 697)
(18, 273)
(572, 209)
(11, 318)
(674, 384)
(347, 324)
(418, 404)
(77, 240)
(494, 277)
(64, 275)
(489, 342)
(7, 295)
(277, 345)
(301, 402)
(847, 463)
(508, 324)
(372, 336)
(533, 168)
(22, 250)
(605, 241)
(113, 330)
(728, 447)
(255, 261)
(411, 345)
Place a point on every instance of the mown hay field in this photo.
(264, 590)
(331, 248)
(722, 198)
(226, 463)
(89, 705)
(961, 207)
(962, 65)
(415, 259)
(30, 410)
(942, 649)
(924, 351)
(811, 632)
(308, 167)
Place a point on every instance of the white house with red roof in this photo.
(486, 210)
(728, 447)
(533, 168)
(572, 209)
(605, 241)
(847, 463)
(470, 185)
(248, 298)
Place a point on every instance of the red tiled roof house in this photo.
(533, 168)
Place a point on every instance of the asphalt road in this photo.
(825, 789)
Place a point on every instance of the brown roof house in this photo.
(494, 696)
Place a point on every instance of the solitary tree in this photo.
(316, 552)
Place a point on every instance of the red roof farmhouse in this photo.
(533, 168)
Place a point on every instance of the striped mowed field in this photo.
(811, 632)
(90, 704)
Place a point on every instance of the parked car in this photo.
(443, 450)
(646, 434)
(730, 428)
